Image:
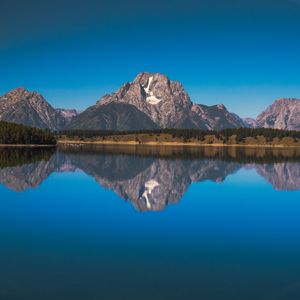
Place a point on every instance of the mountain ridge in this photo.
(167, 104)
(150, 101)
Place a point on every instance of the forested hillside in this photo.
(11, 133)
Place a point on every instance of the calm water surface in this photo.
(149, 223)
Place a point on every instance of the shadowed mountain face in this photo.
(150, 178)
(112, 116)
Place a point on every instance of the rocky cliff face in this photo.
(29, 108)
(216, 117)
(67, 114)
(283, 114)
(164, 102)
(250, 122)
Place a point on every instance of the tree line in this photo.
(187, 134)
(11, 133)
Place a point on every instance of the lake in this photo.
(138, 222)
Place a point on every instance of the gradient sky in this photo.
(242, 53)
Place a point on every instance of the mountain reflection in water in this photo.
(149, 177)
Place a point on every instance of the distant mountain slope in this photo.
(216, 117)
(67, 114)
(29, 108)
(166, 103)
(113, 116)
(250, 122)
(283, 114)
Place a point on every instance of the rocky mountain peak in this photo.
(67, 114)
(18, 91)
(29, 108)
(286, 100)
(164, 101)
(150, 81)
(250, 122)
(22, 95)
(284, 113)
(221, 106)
(156, 86)
(16, 95)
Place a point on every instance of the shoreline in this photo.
(151, 144)
(169, 144)
(26, 145)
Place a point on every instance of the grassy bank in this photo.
(170, 140)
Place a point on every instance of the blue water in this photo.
(70, 227)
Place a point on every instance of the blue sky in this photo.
(244, 54)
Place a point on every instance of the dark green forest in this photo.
(11, 133)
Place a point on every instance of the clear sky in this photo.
(243, 53)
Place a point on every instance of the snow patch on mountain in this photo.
(151, 99)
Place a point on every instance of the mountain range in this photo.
(150, 101)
